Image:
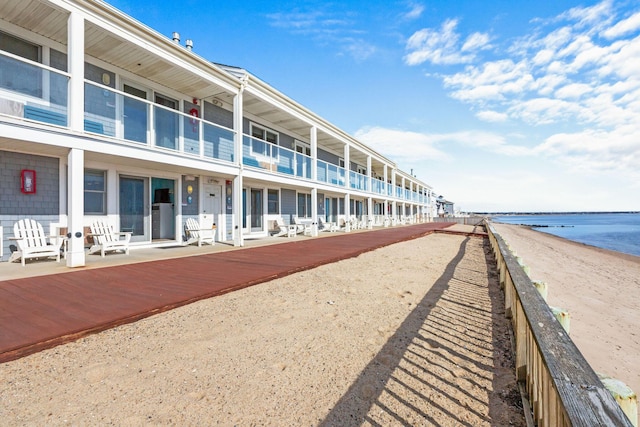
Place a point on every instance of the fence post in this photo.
(625, 397)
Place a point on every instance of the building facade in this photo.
(103, 118)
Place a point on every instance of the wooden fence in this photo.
(562, 388)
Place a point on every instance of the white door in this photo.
(212, 205)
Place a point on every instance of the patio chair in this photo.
(32, 242)
(195, 233)
(105, 238)
(326, 226)
(286, 229)
(300, 227)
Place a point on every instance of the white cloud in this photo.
(624, 27)
(415, 12)
(409, 147)
(436, 46)
(476, 41)
(563, 77)
(359, 49)
(589, 17)
(573, 91)
(401, 146)
(327, 28)
(492, 116)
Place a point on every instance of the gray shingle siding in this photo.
(46, 200)
(288, 205)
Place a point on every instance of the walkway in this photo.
(41, 312)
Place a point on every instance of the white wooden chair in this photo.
(195, 233)
(105, 238)
(300, 227)
(288, 230)
(327, 226)
(32, 242)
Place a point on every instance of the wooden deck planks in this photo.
(41, 312)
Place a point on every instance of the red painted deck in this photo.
(41, 312)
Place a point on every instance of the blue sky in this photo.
(499, 106)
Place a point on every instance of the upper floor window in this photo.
(260, 136)
(303, 147)
(19, 47)
(18, 76)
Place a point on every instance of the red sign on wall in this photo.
(28, 181)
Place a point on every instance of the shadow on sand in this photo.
(449, 363)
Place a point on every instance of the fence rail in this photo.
(562, 387)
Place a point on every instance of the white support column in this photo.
(347, 167)
(314, 153)
(347, 213)
(75, 208)
(75, 64)
(238, 239)
(314, 211)
(404, 199)
(314, 177)
(369, 174)
(386, 189)
(369, 212)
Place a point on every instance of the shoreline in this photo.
(600, 288)
(624, 255)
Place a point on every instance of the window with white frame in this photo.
(259, 135)
(17, 76)
(304, 205)
(94, 192)
(273, 202)
(303, 147)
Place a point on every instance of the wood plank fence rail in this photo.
(562, 388)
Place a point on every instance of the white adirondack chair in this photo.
(285, 229)
(195, 233)
(33, 243)
(105, 238)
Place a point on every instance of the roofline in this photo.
(104, 11)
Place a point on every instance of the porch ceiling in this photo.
(50, 22)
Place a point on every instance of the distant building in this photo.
(443, 207)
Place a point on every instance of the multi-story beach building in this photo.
(102, 117)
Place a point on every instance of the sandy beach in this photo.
(599, 288)
(410, 334)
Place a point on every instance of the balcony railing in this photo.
(261, 154)
(331, 174)
(120, 115)
(377, 186)
(358, 181)
(36, 92)
(33, 91)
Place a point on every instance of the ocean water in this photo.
(615, 231)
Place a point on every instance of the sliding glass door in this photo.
(134, 207)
